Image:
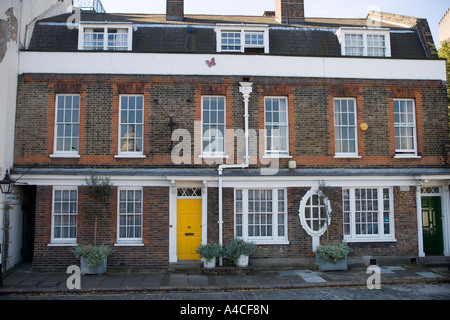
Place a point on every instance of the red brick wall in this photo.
(154, 253)
(311, 124)
(300, 243)
(311, 144)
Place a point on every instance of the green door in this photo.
(432, 225)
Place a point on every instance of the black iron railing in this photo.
(89, 5)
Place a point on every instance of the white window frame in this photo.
(85, 27)
(131, 154)
(60, 240)
(375, 47)
(218, 153)
(243, 30)
(323, 203)
(280, 153)
(342, 32)
(339, 126)
(400, 152)
(73, 153)
(351, 235)
(243, 233)
(129, 241)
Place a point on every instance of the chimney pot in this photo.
(174, 10)
(290, 11)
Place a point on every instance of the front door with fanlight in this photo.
(433, 243)
(189, 224)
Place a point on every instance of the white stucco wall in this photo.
(17, 18)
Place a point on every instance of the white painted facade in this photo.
(18, 18)
(230, 65)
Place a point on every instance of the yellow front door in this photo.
(189, 228)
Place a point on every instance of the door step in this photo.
(186, 267)
(434, 260)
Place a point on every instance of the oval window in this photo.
(313, 213)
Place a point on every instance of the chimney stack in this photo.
(174, 10)
(290, 11)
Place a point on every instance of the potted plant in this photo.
(239, 251)
(332, 256)
(93, 258)
(209, 253)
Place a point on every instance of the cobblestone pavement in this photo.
(421, 292)
(406, 282)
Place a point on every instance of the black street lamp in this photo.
(7, 184)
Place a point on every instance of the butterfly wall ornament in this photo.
(211, 62)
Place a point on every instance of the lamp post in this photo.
(7, 184)
(6, 187)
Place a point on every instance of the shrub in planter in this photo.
(93, 258)
(332, 256)
(238, 251)
(209, 252)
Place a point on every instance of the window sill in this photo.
(279, 156)
(407, 156)
(128, 244)
(68, 156)
(213, 156)
(62, 244)
(356, 240)
(269, 242)
(347, 157)
(130, 156)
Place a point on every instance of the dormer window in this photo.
(243, 38)
(105, 38)
(365, 42)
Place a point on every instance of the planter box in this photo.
(242, 261)
(329, 266)
(85, 269)
(209, 264)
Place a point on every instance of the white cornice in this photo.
(130, 63)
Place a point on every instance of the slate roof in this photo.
(153, 34)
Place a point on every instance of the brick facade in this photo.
(153, 253)
(311, 145)
(310, 119)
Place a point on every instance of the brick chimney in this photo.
(174, 10)
(290, 11)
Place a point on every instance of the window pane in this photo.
(131, 124)
(64, 214)
(276, 125)
(214, 124)
(231, 41)
(354, 45)
(404, 125)
(260, 215)
(315, 213)
(67, 123)
(345, 126)
(130, 214)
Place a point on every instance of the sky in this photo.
(432, 10)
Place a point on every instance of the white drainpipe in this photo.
(246, 90)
